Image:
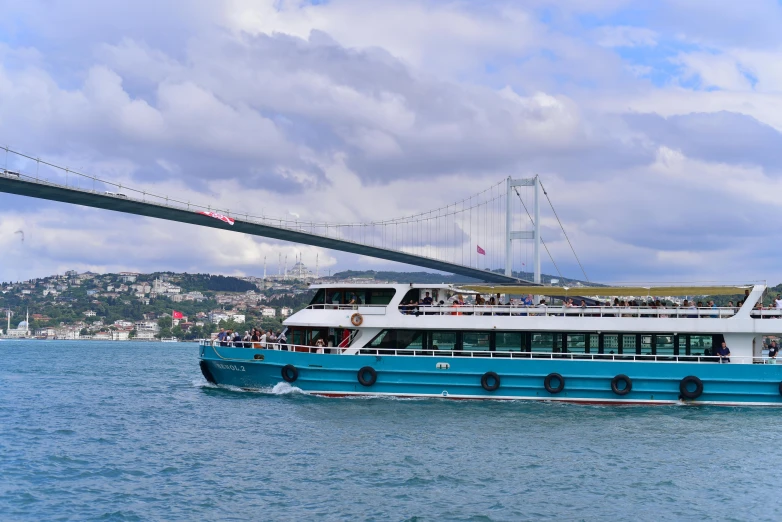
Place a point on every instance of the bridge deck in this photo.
(29, 187)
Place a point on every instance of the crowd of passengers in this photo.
(255, 338)
(427, 303)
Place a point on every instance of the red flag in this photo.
(221, 217)
(481, 251)
(177, 315)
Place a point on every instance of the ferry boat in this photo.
(379, 340)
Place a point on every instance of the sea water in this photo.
(131, 431)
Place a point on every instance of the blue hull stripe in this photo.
(521, 378)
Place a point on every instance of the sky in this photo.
(655, 126)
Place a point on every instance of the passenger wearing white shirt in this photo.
(778, 302)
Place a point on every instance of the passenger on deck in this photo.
(238, 340)
(319, 344)
(773, 350)
(256, 338)
(221, 336)
(714, 307)
(456, 304)
(427, 300)
(281, 339)
(271, 338)
(778, 302)
(528, 301)
(263, 339)
(246, 339)
(724, 353)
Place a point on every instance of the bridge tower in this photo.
(511, 235)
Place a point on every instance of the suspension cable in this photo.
(563, 231)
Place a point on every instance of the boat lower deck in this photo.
(591, 381)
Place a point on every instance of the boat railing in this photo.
(588, 311)
(419, 352)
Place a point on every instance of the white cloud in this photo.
(351, 111)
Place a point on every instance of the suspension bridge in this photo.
(485, 236)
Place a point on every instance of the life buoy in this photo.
(362, 373)
(547, 383)
(356, 319)
(207, 372)
(485, 381)
(289, 373)
(621, 378)
(685, 392)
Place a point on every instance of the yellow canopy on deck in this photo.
(608, 291)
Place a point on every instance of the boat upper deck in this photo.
(444, 300)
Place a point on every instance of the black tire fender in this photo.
(547, 383)
(289, 373)
(362, 376)
(621, 378)
(485, 381)
(685, 392)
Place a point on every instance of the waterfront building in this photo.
(21, 331)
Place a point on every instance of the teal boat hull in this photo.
(519, 378)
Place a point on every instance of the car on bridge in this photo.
(11, 173)
(115, 194)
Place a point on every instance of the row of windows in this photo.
(365, 296)
(547, 342)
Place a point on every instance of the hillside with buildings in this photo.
(129, 305)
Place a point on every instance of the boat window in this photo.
(319, 297)
(664, 344)
(306, 336)
(699, 344)
(508, 341)
(576, 343)
(543, 342)
(476, 341)
(333, 296)
(610, 344)
(411, 295)
(354, 296)
(398, 339)
(444, 340)
(646, 345)
(628, 343)
(381, 296)
(594, 343)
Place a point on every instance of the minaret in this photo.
(27, 320)
(286, 266)
(264, 268)
(317, 270)
(8, 330)
(279, 264)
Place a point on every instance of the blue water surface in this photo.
(131, 431)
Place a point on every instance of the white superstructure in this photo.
(645, 331)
